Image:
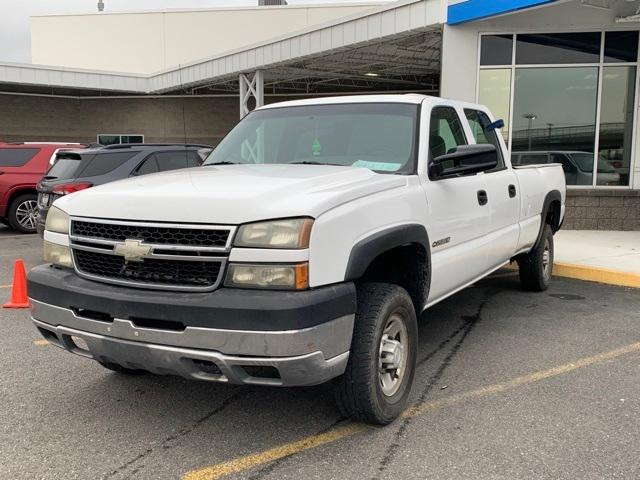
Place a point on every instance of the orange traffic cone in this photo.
(19, 288)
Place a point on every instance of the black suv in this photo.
(79, 169)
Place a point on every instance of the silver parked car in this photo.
(577, 166)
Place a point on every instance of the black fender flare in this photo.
(367, 249)
(552, 196)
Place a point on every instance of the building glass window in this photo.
(621, 47)
(496, 50)
(115, 139)
(580, 116)
(554, 110)
(495, 92)
(558, 48)
(616, 125)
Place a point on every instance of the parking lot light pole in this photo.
(251, 87)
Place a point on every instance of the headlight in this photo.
(279, 277)
(57, 254)
(57, 221)
(291, 233)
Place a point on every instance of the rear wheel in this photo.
(378, 378)
(23, 213)
(536, 266)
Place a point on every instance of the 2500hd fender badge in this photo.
(442, 241)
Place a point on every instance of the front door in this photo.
(459, 216)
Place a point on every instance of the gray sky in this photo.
(15, 41)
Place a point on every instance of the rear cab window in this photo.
(16, 157)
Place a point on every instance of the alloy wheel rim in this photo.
(26, 214)
(392, 355)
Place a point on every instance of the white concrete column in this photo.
(251, 86)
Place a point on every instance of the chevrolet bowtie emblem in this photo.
(132, 250)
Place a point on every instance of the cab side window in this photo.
(479, 122)
(445, 131)
(171, 160)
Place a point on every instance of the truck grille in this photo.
(157, 234)
(149, 271)
(149, 255)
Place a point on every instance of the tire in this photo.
(114, 367)
(364, 393)
(536, 267)
(22, 213)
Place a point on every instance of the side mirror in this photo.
(464, 160)
(495, 125)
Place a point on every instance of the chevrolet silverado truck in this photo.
(302, 251)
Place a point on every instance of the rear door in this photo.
(459, 219)
(503, 193)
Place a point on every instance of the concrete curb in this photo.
(596, 274)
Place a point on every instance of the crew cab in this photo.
(302, 251)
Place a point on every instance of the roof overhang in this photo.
(392, 47)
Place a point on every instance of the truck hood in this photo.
(229, 194)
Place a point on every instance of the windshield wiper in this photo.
(221, 163)
(309, 162)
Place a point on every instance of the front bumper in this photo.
(190, 334)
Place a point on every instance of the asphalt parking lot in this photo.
(510, 385)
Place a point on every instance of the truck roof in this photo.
(410, 98)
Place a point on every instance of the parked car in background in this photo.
(77, 170)
(22, 165)
(577, 166)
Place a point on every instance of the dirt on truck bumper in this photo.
(229, 335)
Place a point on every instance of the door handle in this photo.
(483, 198)
(512, 191)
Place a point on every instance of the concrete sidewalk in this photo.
(602, 256)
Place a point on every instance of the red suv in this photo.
(22, 165)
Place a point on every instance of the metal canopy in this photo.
(406, 62)
(395, 47)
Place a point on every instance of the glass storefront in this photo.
(565, 98)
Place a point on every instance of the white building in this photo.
(562, 74)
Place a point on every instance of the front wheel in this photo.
(379, 375)
(536, 267)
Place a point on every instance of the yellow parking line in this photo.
(40, 342)
(251, 461)
(288, 449)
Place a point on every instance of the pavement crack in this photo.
(166, 442)
(470, 322)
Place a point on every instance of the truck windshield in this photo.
(378, 136)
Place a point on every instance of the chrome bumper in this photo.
(282, 358)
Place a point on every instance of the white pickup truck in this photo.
(302, 251)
